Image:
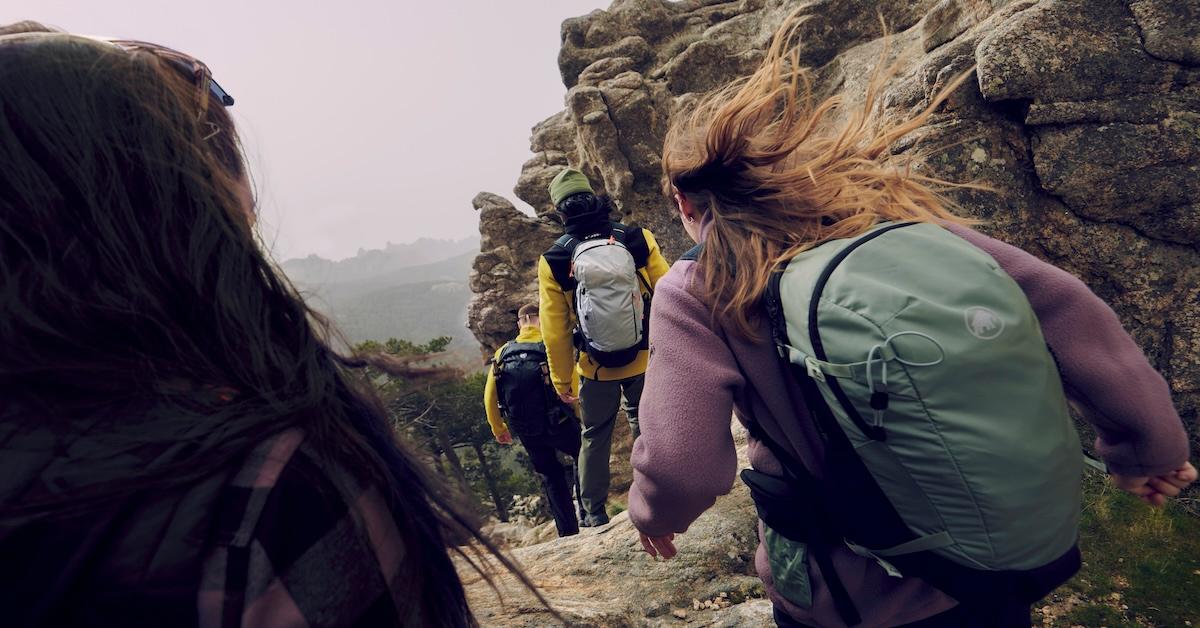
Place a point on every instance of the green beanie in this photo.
(569, 181)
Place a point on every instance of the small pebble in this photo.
(679, 613)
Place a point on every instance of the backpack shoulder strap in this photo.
(567, 242)
(692, 254)
(634, 239)
(559, 260)
(505, 351)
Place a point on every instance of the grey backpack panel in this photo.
(608, 298)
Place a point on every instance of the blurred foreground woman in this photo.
(179, 444)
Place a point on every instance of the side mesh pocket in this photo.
(789, 567)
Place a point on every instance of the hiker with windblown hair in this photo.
(180, 444)
(903, 378)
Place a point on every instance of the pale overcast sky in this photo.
(366, 121)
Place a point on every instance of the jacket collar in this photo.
(529, 334)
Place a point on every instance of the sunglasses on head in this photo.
(186, 64)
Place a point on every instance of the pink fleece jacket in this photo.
(685, 456)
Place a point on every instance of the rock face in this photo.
(504, 275)
(602, 578)
(1085, 119)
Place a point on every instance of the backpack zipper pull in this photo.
(879, 403)
(879, 389)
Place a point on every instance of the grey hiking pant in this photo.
(598, 403)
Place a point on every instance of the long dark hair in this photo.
(130, 280)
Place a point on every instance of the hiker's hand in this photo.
(659, 545)
(505, 438)
(1174, 482)
(568, 399)
(1139, 486)
(1155, 490)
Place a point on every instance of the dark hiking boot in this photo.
(594, 520)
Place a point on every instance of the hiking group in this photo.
(588, 339)
(183, 445)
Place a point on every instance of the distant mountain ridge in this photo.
(414, 292)
(376, 263)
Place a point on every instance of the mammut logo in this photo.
(984, 323)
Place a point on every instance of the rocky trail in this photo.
(602, 577)
(1083, 116)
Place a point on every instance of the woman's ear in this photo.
(685, 206)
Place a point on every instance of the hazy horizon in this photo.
(386, 245)
(368, 123)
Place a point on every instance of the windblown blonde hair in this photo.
(774, 174)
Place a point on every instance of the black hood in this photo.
(587, 226)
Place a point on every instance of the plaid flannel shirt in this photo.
(304, 543)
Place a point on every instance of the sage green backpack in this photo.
(949, 450)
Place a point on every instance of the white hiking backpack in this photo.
(610, 308)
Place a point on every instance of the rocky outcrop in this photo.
(1084, 118)
(504, 275)
(603, 578)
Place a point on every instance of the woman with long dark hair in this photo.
(180, 444)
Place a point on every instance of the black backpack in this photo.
(528, 401)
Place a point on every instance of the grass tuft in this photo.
(1141, 565)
